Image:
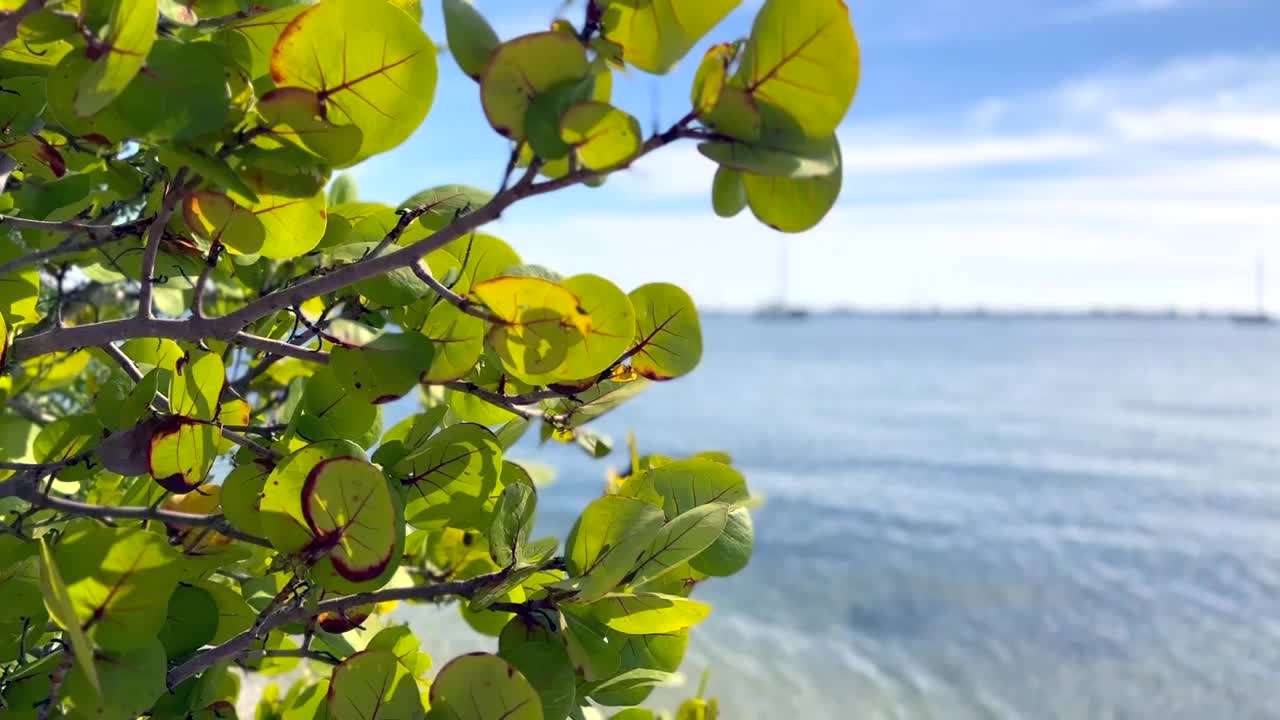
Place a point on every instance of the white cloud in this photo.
(1147, 186)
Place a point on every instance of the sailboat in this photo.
(1259, 316)
(778, 309)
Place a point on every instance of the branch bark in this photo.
(226, 326)
(241, 644)
(28, 490)
(154, 235)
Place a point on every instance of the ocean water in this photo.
(976, 518)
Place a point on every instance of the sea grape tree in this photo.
(201, 328)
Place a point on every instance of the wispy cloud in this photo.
(1146, 186)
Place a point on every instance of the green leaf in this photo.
(659, 655)
(606, 540)
(182, 94)
(648, 613)
(480, 686)
(367, 686)
(131, 679)
(66, 437)
(802, 62)
(21, 105)
(512, 523)
(291, 226)
(181, 453)
(557, 332)
(343, 190)
(234, 614)
(732, 550)
(118, 581)
(709, 81)
(449, 479)
(471, 39)
(62, 610)
(250, 41)
(212, 216)
(282, 520)
(370, 64)
(728, 192)
(198, 380)
(457, 340)
(408, 436)
(19, 579)
(126, 40)
(301, 116)
(481, 257)
(668, 336)
(400, 641)
(793, 205)
(191, 621)
(680, 540)
(589, 643)
(241, 492)
(687, 484)
(655, 34)
(330, 412)
(812, 159)
(542, 658)
(19, 291)
(384, 369)
(443, 204)
(602, 136)
(542, 119)
(523, 68)
(348, 506)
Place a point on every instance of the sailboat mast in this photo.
(1260, 280)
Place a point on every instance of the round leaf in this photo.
(471, 39)
(728, 193)
(348, 506)
(793, 205)
(384, 369)
(282, 520)
(668, 336)
(367, 686)
(369, 63)
(655, 34)
(603, 136)
(523, 68)
(732, 550)
(190, 623)
(480, 686)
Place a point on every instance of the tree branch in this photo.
(226, 326)
(279, 347)
(243, 643)
(100, 235)
(27, 490)
(154, 235)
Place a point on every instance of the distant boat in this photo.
(1259, 316)
(778, 309)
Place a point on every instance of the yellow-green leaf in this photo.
(370, 64)
(524, 68)
(655, 34)
(125, 41)
(602, 136)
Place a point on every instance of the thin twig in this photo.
(463, 304)
(28, 490)
(317, 655)
(197, 302)
(237, 646)
(154, 235)
(279, 347)
(124, 361)
(100, 236)
(253, 445)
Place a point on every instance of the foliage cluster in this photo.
(198, 343)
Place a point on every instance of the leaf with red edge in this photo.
(369, 64)
(181, 453)
(347, 505)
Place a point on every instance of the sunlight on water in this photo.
(973, 519)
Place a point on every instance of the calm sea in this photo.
(973, 518)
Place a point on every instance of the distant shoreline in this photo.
(1009, 314)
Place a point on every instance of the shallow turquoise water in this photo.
(973, 518)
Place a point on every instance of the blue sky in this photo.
(1008, 153)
